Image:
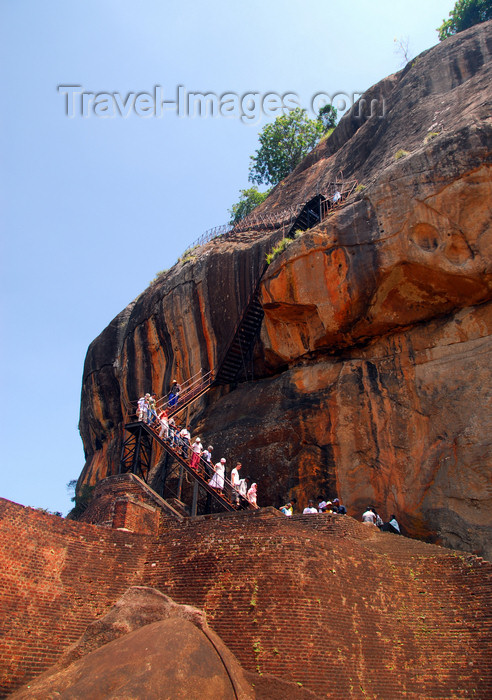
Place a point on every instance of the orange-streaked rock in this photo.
(372, 372)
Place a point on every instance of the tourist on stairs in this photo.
(196, 451)
(185, 437)
(141, 408)
(164, 431)
(235, 483)
(217, 481)
(207, 457)
(252, 494)
(174, 394)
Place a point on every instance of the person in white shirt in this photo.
(393, 523)
(185, 437)
(141, 408)
(207, 457)
(287, 510)
(243, 487)
(369, 517)
(252, 494)
(235, 482)
(164, 431)
(217, 481)
(310, 508)
(196, 450)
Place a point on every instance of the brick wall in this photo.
(320, 600)
(125, 501)
(339, 607)
(57, 576)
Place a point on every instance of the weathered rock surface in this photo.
(147, 646)
(373, 369)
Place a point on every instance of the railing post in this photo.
(194, 501)
(180, 484)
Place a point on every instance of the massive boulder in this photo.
(371, 376)
(147, 646)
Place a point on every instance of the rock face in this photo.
(372, 373)
(146, 647)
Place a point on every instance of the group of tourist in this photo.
(198, 457)
(147, 404)
(324, 506)
(237, 487)
(371, 517)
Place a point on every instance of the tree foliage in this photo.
(248, 201)
(327, 116)
(81, 499)
(465, 14)
(283, 144)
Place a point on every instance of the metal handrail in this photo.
(203, 464)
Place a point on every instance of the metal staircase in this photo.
(136, 448)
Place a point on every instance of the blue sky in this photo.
(92, 208)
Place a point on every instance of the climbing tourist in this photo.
(235, 483)
(173, 438)
(243, 487)
(217, 481)
(141, 408)
(184, 437)
(336, 197)
(309, 508)
(207, 457)
(174, 394)
(147, 413)
(164, 431)
(152, 409)
(252, 494)
(196, 451)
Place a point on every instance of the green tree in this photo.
(283, 144)
(465, 14)
(248, 201)
(80, 499)
(327, 116)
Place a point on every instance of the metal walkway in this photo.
(137, 459)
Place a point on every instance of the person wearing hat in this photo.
(141, 408)
(338, 507)
(174, 394)
(196, 451)
(152, 401)
(217, 481)
(322, 505)
(147, 413)
(252, 494)
(207, 458)
(184, 437)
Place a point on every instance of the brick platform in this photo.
(320, 600)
